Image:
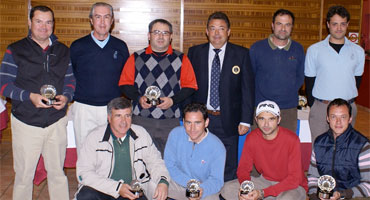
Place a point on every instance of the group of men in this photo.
(215, 89)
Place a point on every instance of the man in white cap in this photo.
(275, 152)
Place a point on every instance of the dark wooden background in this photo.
(250, 19)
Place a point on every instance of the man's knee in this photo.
(230, 190)
(295, 194)
(88, 193)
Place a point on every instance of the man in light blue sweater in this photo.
(192, 152)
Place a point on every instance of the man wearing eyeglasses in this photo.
(275, 152)
(161, 66)
(97, 61)
(226, 86)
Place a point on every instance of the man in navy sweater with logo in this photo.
(278, 65)
(97, 61)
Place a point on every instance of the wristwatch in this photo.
(262, 193)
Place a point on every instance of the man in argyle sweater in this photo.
(168, 69)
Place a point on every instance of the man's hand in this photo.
(336, 195)
(200, 195)
(36, 99)
(60, 102)
(143, 102)
(166, 102)
(254, 195)
(243, 129)
(124, 191)
(161, 192)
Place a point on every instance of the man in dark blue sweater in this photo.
(278, 65)
(97, 61)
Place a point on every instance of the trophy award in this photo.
(49, 92)
(326, 185)
(193, 189)
(246, 187)
(152, 93)
(136, 188)
(302, 102)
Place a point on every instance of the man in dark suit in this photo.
(226, 85)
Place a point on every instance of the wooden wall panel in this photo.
(131, 19)
(13, 22)
(251, 20)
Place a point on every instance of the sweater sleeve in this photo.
(69, 83)
(187, 77)
(313, 175)
(295, 173)
(363, 189)
(310, 82)
(300, 69)
(246, 161)
(8, 74)
(128, 72)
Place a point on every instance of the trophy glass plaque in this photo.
(302, 102)
(49, 92)
(326, 185)
(152, 93)
(136, 188)
(246, 187)
(193, 189)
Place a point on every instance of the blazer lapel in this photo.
(204, 66)
(226, 62)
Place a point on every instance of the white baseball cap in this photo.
(268, 106)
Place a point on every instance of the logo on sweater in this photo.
(115, 54)
(292, 58)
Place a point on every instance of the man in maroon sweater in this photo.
(275, 152)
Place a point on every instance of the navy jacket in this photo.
(236, 87)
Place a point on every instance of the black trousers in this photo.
(230, 143)
(89, 193)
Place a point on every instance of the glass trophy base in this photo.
(137, 193)
(325, 195)
(49, 102)
(192, 194)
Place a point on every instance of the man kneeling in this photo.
(112, 156)
(192, 152)
(275, 152)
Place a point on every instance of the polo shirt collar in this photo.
(273, 46)
(101, 44)
(149, 50)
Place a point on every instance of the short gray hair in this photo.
(118, 104)
(101, 4)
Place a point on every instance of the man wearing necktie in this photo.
(226, 85)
